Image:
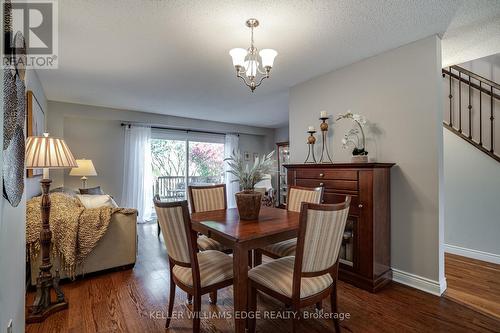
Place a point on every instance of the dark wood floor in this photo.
(134, 301)
(473, 283)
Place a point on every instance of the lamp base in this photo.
(43, 306)
(84, 182)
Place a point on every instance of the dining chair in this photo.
(311, 275)
(296, 195)
(195, 272)
(207, 198)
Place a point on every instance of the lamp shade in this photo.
(48, 153)
(85, 168)
(267, 56)
(238, 56)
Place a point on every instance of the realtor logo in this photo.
(30, 33)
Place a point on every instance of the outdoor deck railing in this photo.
(174, 187)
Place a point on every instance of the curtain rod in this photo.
(177, 129)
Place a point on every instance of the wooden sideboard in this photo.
(365, 255)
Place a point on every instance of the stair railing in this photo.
(474, 84)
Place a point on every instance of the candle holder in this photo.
(324, 148)
(311, 140)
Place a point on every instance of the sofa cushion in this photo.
(91, 190)
(96, 201)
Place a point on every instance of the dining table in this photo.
(242, 236)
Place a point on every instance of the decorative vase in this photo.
(248, 203)
(359, 159)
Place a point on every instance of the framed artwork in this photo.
(35, 123)
(246, 156)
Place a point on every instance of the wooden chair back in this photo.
(207, 198)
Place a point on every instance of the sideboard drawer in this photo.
(327, 174)
(335, 198)
(339, 185)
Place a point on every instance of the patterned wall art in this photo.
(14, 121)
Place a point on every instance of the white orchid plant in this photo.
(352, 138)
(247, 176)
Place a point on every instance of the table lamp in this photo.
(44, 152)
(85, 168)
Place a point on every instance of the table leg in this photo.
(240, 267)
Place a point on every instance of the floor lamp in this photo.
(44, 152)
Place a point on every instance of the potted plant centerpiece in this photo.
(352, 138)
(249, 201)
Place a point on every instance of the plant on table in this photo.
(246, 176)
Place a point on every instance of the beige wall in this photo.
(282, 134)
(96, 133)
(400, 93)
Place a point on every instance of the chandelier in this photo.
(252, 66)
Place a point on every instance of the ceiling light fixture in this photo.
(249, 64)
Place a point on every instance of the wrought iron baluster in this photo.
(459, 102)
(480, 114)
(491, 117)
(470, 111)
(450, 96)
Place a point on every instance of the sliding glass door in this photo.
(182, 158)
(168, 157)
(206, 163)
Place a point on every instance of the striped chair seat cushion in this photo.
(206, 243)
(277, 275)
(214, 266)
(283, 249)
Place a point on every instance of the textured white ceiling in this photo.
(171, 57)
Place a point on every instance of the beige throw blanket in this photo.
(75, 229)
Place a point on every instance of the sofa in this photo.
(116, 249)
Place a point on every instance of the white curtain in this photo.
(230, 145)
(137, 172)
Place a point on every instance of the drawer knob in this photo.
(322, 201)
(321, 184)
(321, 175)
(360, 205)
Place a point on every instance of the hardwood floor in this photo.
(135, 301)
(473, 283)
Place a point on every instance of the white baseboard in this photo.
(474, 254)
(419, 282)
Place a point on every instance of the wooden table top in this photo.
(227, 224)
